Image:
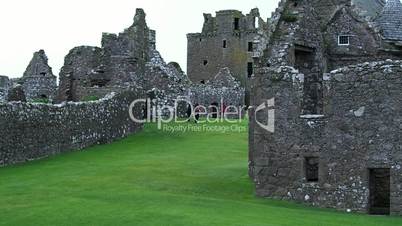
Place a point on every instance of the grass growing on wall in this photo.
(90, 98)
(154, 178)
(41, 101)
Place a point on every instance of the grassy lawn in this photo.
(154, 178)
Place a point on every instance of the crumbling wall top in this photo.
(39, 66)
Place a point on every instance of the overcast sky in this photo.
(59, 25)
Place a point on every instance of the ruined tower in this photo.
(38, 81)
(92, 72)
(227, 40)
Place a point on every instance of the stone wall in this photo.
(34, 131)
(223, 89)
(206, 95)
(359, 130)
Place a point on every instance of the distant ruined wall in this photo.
(4, 87)
(34, 131)
(359, 130)
(222, 89)
(206, 95)
(119, 63)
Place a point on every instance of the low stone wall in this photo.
(360, 130)
(206, 95)
(34, 131)
(37, 87)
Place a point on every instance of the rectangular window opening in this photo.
(312, 169)
(250, 47)
(225, 44)
(380, 191)
(250, 69)
(343, 40)
(256, 22)
(236, 23)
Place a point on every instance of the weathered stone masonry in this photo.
(360, 130)
(38, 81)
(227, 40)
(337, 138)
(33, 131)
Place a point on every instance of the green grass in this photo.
(154, 178)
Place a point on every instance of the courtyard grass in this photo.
(154, 178)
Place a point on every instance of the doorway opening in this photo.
(380, 191)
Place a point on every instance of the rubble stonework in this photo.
(337, 108)
(38, 80)
(16, 94)
(359, 130)
(223, 89)
(32, 131)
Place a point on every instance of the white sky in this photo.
(59, 25)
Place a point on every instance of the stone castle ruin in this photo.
(96, 81)
(124, 60)
(331, 74)
(328, 70)
(228, 40)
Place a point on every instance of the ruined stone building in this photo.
(38, 81)
(125, 60)
(93, 71)
(227, 40)
(128, 59)
(331, 77)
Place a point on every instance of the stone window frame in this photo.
(340, 39)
